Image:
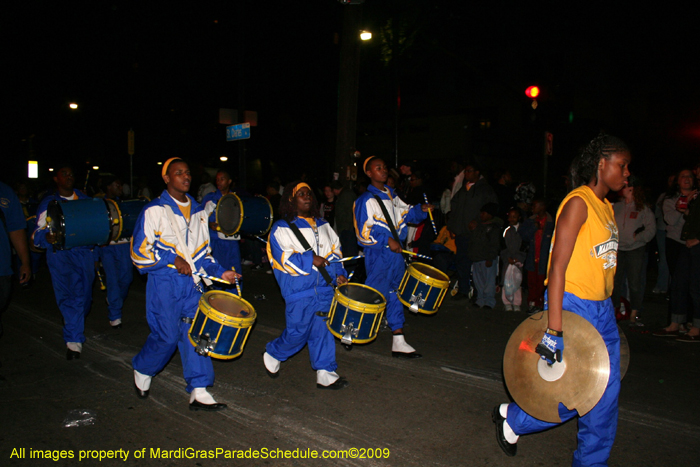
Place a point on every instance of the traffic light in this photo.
(532, 92)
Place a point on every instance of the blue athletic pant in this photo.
(169, 298)
(596, 429)
(385, 269)
(72, 275)
(305, 327)
(119, 272)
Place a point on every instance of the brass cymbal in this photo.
(578, 381)
(624, 353)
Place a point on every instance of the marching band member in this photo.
(116, 260)
(299, 269)
(224, 248)
(580, 279)
(171, 296)
(72, 270)
(383, 258)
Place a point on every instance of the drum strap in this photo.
(307, 247)
(388, 219)
(183, 245)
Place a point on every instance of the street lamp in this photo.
(73, 105)
(365, 35)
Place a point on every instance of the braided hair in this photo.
(584, 167)
(288, 209)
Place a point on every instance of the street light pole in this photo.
(348, 89)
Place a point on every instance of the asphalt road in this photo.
(429, 412)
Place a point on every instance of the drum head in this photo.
(228, 304)
(361, 294)
(115, 220)
(54, 218)
(228, 214)
(430, 271)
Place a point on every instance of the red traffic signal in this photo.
(532, 92)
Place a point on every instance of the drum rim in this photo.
(367, 307)
(433, 282)
(240, 219)
(121, 222)
(223, 318)
(60, 233)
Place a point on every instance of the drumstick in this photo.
(416, 254)
(349, 258)
(350, 275)
(260, 238)
(430, 213)
(206, 276)
(238, 286)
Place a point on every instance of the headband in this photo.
(364, 166)
(166, 164)
(298, 187)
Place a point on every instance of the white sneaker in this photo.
(516, 307)
(247, 262)
(509, 307)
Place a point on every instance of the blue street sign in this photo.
(240, 131)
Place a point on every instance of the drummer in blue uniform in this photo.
(72, 270)
(159, 249)
(116, 260)
(383, 259)
(308, 295)
(224, 248)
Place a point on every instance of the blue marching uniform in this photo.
(224, 248)
(172, 298)
(72, 274)
(304, 289)
(385, 269)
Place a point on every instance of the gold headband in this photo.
(166, 164)
(299, 187)
(364, 166)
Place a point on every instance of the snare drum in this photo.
(82, 222)
(356, 313)
(221, 325)
(422, 288)
(251, 215)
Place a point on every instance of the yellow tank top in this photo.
(591, 271)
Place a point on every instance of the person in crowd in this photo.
(443, 250)
(159, 249)
(205, 187)
(12, 234)
(72, 270)
(328, 205)
(505, 192)
(404, 182)
(524, 195)
(224, 248)
(637, 227)
(537, 231)
(662, 278)
(466, 206)
(29, 206)
(484, 246)
(302, 249)
(513, 253)
(381, 218)
(344, 203)
(680, 247)
(580, 280)
(675, 208)
(143, 192)
(116, 261)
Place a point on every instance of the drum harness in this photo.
(305, 245)
(416, 301)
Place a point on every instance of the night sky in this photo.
(165, 70)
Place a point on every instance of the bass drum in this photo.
(82, 222)
(127, 212)
(249, 215)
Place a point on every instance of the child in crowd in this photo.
(513, 253)
(537, 231)
(484, 246)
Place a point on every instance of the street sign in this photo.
(236, 132)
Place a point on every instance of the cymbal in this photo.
(578, 381)
(624, 353)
